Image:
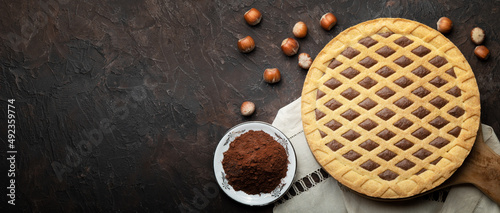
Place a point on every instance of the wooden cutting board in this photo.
(481, 169)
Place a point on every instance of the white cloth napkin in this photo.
(315, 191)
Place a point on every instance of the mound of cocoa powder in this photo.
(255, 163)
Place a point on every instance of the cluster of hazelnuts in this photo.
(444, 25)
(289, 46)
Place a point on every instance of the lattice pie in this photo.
(390, 108)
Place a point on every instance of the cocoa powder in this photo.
(255, 163)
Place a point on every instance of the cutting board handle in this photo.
(485, 170)
(481, 168)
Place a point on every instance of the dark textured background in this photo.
(126, 101)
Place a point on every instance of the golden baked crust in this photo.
(390, 108)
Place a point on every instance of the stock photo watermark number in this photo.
(11, 151)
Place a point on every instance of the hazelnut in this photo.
(253, 16)
(246, 45)
(247, 108)
(327, 21)
(444, 25)
(272, 75)
(290, 46)
(305, 61)
(300, 29)
(482, 52)
(477, 35)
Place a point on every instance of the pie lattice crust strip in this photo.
(390, 108)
